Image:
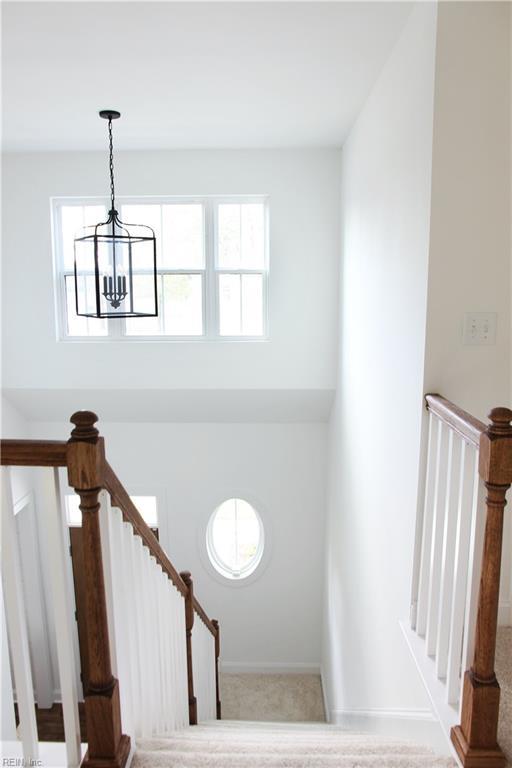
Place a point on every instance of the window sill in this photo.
(162, 339)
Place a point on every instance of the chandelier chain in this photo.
(111, 165)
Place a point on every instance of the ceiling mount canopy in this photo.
(115, 263)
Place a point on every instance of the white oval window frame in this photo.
(265, 548)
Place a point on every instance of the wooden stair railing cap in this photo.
(495, 461)
(500, 422)
(461, 421)
(84, 430)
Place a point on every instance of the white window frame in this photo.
(211, 315)
(69, 493)
(222, 568)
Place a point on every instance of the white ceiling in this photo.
(190, 74)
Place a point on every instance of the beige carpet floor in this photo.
(282, 698)
(235, 744)
(504, 675)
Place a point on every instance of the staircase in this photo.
(453, 626)
(241, 744)
(153, 652)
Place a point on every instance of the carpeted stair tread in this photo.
(298, 760)
(282, 747)
(240, 744)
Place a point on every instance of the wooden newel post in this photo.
(107, 746)
(189, 623)
(476, 738)
(217, 654)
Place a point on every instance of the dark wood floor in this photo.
(50, 723)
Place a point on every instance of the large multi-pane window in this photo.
(212, 257)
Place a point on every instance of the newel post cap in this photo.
(500, 419)
(495, 463)
(189, 599)
(186, 577)
(84, 430)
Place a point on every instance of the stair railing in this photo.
(456, 581)
(139, 610)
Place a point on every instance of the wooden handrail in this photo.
(131, 514)
(475, 739)
(467, 426)
(33, 453)
(203, 616)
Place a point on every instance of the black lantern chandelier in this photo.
(115, 263)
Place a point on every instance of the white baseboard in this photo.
(269, 668)
(505, 613)
(419, 725)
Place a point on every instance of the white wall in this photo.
(469, 267)
(375, 424)
(15, 426)
(303, 189)
(275, 619)
(425, 202)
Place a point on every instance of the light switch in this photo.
(479, 328)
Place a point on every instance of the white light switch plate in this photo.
(479, 328)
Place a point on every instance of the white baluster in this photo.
(122, 620)
(105, 517)
(16, 623)
(203, 662)
(157, 626)
(133, 574)
(182, 645)
(150, 639)
(162, 651)
(475, 569)
(32, 569)
(163, 614)
(164, 589)
(444, 448)
(464, 513)
(178, 646)
(144, 645)
(154, 632)
(169, 703)
(179, 660)
(182, 670)
(7, 721)
(169, 684)
(428, 513)
(57, 547)
(449, 540)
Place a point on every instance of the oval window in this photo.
(234, 539)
